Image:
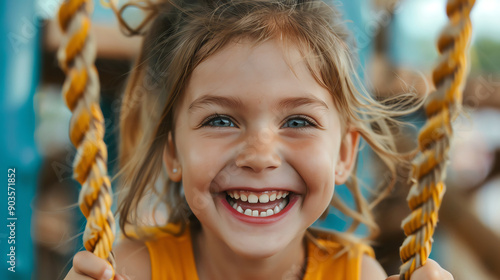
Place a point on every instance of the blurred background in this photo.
(396, 46)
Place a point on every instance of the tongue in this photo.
(261, 207)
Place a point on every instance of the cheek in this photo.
(315, 161)
(201, 159)
(197, 173)
(198, 159)
(198, 202)
(205, 158)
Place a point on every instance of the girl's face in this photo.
(258, 147)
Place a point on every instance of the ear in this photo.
(347, 157)
(171, 161)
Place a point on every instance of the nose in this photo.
(259, 152)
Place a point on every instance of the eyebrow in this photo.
(234, 102)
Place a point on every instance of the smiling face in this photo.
(248, 130)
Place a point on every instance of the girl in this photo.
(253, 112)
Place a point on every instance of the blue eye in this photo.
(299, 122)
(218, 121)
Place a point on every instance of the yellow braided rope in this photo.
(442, 107)
(76, 57)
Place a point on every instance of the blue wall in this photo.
(19, 64)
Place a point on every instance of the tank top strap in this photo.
(172, 257)
(334, 261)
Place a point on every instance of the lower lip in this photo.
(260, 220)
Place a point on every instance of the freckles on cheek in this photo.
(206, 156)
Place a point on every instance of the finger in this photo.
(86, 263)
(393, 277)
(446, 275)
(72, 275)
(431, 271)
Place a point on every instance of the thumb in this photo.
(393, 277)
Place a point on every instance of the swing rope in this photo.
(429, 167)
(76, 57)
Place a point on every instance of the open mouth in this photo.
(258, 204)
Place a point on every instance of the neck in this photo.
(214, 260)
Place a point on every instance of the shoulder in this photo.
(132, 259)
(371, 269)
(342, 257)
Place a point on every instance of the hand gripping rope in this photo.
(76, 57)
(429, 167)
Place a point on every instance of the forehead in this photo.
(251, 70)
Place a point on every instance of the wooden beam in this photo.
(115, 53)
(111, 43)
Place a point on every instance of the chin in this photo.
(257, 247)
(264, 242)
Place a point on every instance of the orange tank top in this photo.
(172, 259)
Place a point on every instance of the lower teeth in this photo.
(255, 213)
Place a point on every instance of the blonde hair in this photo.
(182, 34)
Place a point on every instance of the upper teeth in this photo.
(254, 197)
